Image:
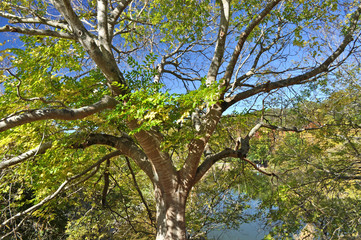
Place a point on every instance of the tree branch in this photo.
(300, 79)
(114, 15)
(252, 71)
(258, 169)
(62, 114)
(243, 37)
(33, 98)
(212, 159)
(106, 183)
(63, 187)
(290, 129)
(102, 17)
(34, 20)
(125, 145)
(37, 32)
(21, 158)
(150, 216)
(164, 171)
(221, 42)
(102, 56)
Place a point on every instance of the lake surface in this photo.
(247, 231)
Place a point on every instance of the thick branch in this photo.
(37, 20)
(102, 56)
(221, 42)
(125, 145)
(21, 158)
(66, 10)
(164, 171)
(102, 17)
(243, 143)
(197, 145)
(37, 32)
(114, 15)
(212, 159)
(62, 114)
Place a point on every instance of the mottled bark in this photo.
(171, 222)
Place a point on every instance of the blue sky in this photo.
(9, 38)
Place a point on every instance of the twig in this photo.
(258, 169)
(34, 98)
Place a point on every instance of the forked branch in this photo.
(125, 145)
(305, 77)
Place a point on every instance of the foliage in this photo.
(134, 101)
(318, 170)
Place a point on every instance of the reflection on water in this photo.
(254, 230)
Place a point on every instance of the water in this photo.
(247, 231)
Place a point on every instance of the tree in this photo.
(321, 168)
(101, 75)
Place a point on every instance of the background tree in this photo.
(150, 81)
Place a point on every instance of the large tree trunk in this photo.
(171, 224)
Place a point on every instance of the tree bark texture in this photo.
(171, 222)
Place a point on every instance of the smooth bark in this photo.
(22, 157)
(61, 114)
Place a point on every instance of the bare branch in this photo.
(178, 76)
(262, 50)
(306, 77)
(212, 159)
(62, 114)
(303, 78)
(114, 15)
(258, 169)
(66, 10)
(103, 57)
(291, 129)
(13, 231)
(243, 37)
(106, 183)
